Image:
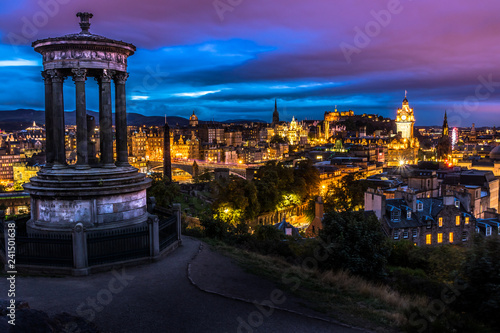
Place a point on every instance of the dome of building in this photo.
(193, 117)
(495, 154)
(193, 120)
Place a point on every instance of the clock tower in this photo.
(405, 121)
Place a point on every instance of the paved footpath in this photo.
(191, 290)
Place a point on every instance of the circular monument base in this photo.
(99, 198)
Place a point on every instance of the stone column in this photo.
(80, 76)
(49, 128)
(154, 236)
(106, 120)
(177, 211)
(121, 119)
(91, 151)
(80, 258)
(167, 161)
(58, 118)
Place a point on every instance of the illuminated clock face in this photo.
(403, 117)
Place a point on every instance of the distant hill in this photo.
(14, 120)
(243, 121)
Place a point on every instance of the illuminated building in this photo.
(211, 134)
(183, 148)
(138, 163)
(137, 143)
(23, 172)
(154, 145)
(405, 121)
(231, 155)
(404, 148)
(422, 221)
(481, 185)
(7, 165)
(233, 138)
(266, 134)
(334, 117)
(337, 116)
(193, 120)
(211, 153)
(294, 132)
(454, 138)
(444, 142)
(15, 203)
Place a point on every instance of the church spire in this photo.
(445, 125)
(276, 115)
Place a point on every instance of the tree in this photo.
(307, 179)
(355, 242)
(348, 195)
(481, 273)
(163, 191)
(278, 139)
(236, 200)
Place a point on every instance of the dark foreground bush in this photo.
(356, 243)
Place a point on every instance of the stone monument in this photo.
(98, 191)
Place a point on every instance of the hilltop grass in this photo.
(346, 298)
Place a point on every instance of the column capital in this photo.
(120, 77)
(105, 76)
(47, 78)
(79, 74)
(56, 75)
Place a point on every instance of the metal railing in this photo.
(117, 245)
(45, 250)
(167, 231)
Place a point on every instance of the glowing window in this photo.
(451, 237)
(440, 238)
(440, 222)
(428, 239)
(467, 220)
(457, 220)
(396, 234)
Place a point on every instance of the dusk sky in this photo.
(230, 59)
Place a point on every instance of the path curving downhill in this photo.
(191, 290)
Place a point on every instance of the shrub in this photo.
(481, 272)
(216, 228)
(268, 232)
(356, 243)
(400, 252)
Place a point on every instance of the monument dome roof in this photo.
(83, 36)
(495, 154)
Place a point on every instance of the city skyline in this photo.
(231, 60)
